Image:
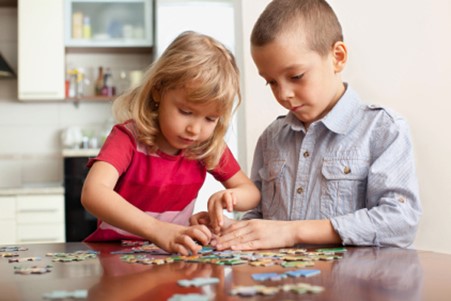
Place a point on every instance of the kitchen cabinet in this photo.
(62, 44)
(7, 220)
(32, 218)
(40, 50)
(108, 23)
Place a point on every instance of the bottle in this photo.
(108, 87)
(99, 82)
(86, 28)
(77, 25)
(80, 82)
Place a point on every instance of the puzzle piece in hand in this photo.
(77, 294)
(197, 282)
(303, 273)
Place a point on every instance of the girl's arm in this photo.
(100, 199)
(241, 194)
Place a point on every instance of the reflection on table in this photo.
(362, 274)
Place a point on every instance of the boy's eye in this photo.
(270, 82)
(296, 77)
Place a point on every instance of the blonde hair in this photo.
(207, 71)
(313, 18)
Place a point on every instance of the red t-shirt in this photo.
(162, 185)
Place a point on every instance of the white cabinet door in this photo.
(41, 50)
(7, 220)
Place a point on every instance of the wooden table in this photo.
(362, 274)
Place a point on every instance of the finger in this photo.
(180, 249)
(189, 244)
(200, 233)
(229, 199)
(194, 220)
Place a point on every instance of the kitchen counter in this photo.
(81, 152)
(33, 189)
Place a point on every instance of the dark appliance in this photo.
(79, 222)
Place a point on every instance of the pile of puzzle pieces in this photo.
(289, 258)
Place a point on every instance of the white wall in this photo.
(399, 56)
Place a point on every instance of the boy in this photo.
(333, 170)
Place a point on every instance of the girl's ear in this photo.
(340, 56)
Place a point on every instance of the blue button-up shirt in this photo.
(355, 166)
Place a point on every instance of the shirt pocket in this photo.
(343, 186)
(271, 176)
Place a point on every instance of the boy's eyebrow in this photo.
(288, 68)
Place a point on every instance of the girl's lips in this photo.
(186, 140)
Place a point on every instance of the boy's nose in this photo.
(286, 97)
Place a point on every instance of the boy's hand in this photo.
(255, 234)
(219, 201)
(182, 240)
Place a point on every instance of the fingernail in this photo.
(213, 242)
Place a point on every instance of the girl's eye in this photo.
(212, 119)
(184, 112)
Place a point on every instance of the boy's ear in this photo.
(340, 56)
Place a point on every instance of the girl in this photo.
(144, 182)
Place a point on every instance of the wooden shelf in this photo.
(92, 98)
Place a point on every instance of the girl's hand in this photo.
(219, 201)
(182, 240)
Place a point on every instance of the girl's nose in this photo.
(193, 127)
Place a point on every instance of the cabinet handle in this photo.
(37, 210)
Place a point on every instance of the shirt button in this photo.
(402, 199)
(300, 190)
(306, 154)
(347, 170)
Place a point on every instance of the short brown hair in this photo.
(314, 18)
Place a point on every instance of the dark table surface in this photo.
(362, 274)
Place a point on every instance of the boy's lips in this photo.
(296, 108)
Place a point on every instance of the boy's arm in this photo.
(393, 205)
(266, 234)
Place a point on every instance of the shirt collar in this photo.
(337, 120)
